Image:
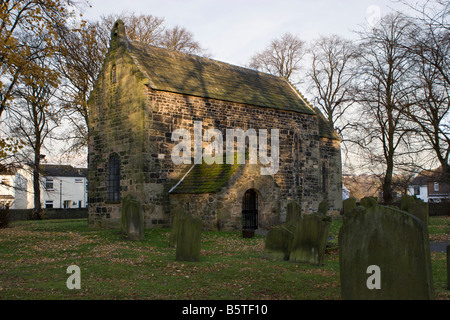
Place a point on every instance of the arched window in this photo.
(114, 178)
(324, 178)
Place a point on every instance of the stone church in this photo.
(145, 93)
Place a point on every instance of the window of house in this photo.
(436, 186)
(78, 180)
(66, 204)
(49, 184)
(113, 178)
(6, 182)
(48, 204)
(416, 190)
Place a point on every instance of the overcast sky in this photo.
(233, 30)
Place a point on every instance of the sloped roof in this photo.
(204, 178)
(56, 170)
(189, 74)
(426, 176)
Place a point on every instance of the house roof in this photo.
(57, 170)
(189, 74)
(426, 176)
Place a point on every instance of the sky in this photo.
(233, 30)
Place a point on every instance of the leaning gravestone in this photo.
(279, 239)
(188, 238)
(132, 222)
(278, 242)
(310, 239)
(384, 253)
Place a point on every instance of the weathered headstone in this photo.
(384, 253)
(188, 238)
(132, 221)
(310, 239)
(416, 207)
(369, 202)
(278, 242)
(294, 213)
(348, 205)
(323, 208)
(176, 225)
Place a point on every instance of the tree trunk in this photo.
(37, 212)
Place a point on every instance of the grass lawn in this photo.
(34, 256)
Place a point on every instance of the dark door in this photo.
(250, 210)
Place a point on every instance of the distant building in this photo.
(62, 186)
(431, 186)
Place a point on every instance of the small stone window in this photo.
(113, 178)
(296, 161)
(436, 186)
(324, 178)
(113, 74)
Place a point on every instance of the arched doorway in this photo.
(250, 210)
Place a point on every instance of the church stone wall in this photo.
(136, 123)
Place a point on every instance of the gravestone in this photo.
(278, 242)
(176, 225)
(384, 253)
(348, 205)
(294, 213)
(132, 221)
(323, 208)
(188, 238)
(416, 207)
(310, 239)
(369, 202)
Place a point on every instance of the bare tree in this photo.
(331, 76)
(282, 57)
(180, 39)
(151, 30)
(79, 61)
(144, 28)
(429, 46)
(383, 92)
(33, 121)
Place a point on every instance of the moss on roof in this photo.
(189, 74)
(205, 178)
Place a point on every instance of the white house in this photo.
(430, 186)
(13, 188)
(62, 186)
